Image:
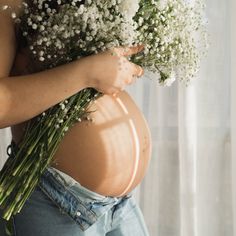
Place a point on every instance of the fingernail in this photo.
(141, 47)
(141, 72)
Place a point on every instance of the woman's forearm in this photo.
(24, 97)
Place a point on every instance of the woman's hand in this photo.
(110, 71)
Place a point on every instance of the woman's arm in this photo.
(24, 97)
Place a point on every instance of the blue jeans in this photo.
(60, 206)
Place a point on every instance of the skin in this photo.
(109, 155)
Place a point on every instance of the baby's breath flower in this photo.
(60, 121)
(78, 119)
(65, 110)
(168, 82)
(62, 106)
(5, 7)
(13, 15)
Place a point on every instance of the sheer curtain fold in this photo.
(189, 189)
(187, 145)
(233, 107)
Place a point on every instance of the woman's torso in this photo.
(109, 155)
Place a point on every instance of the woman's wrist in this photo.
(82, 71)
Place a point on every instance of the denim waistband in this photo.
(73, 184)
(84, 206)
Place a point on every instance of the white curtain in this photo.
(188, 189)
(233, 107)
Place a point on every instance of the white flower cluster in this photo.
(75, 29)
(129, 8)
(169, 29)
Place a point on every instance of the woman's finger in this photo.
(137, 70)
(128, 51)
(130, 80)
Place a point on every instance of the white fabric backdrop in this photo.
(188, 188)
(233, 107)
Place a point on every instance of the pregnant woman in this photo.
(87, 190)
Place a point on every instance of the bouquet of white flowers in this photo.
(58, 32)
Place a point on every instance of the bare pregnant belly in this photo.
(111, 154)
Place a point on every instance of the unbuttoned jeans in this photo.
(60, 206)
